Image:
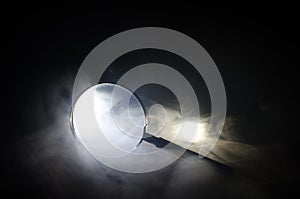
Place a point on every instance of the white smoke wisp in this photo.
(231, 148)
(54, 154)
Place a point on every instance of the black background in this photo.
(256, 51)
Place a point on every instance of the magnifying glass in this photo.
(108, 120)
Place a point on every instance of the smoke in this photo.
(56, 166)
(265, 162)
(255, 160)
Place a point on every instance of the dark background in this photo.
(256, 51)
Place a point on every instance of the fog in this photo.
(52, 164)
